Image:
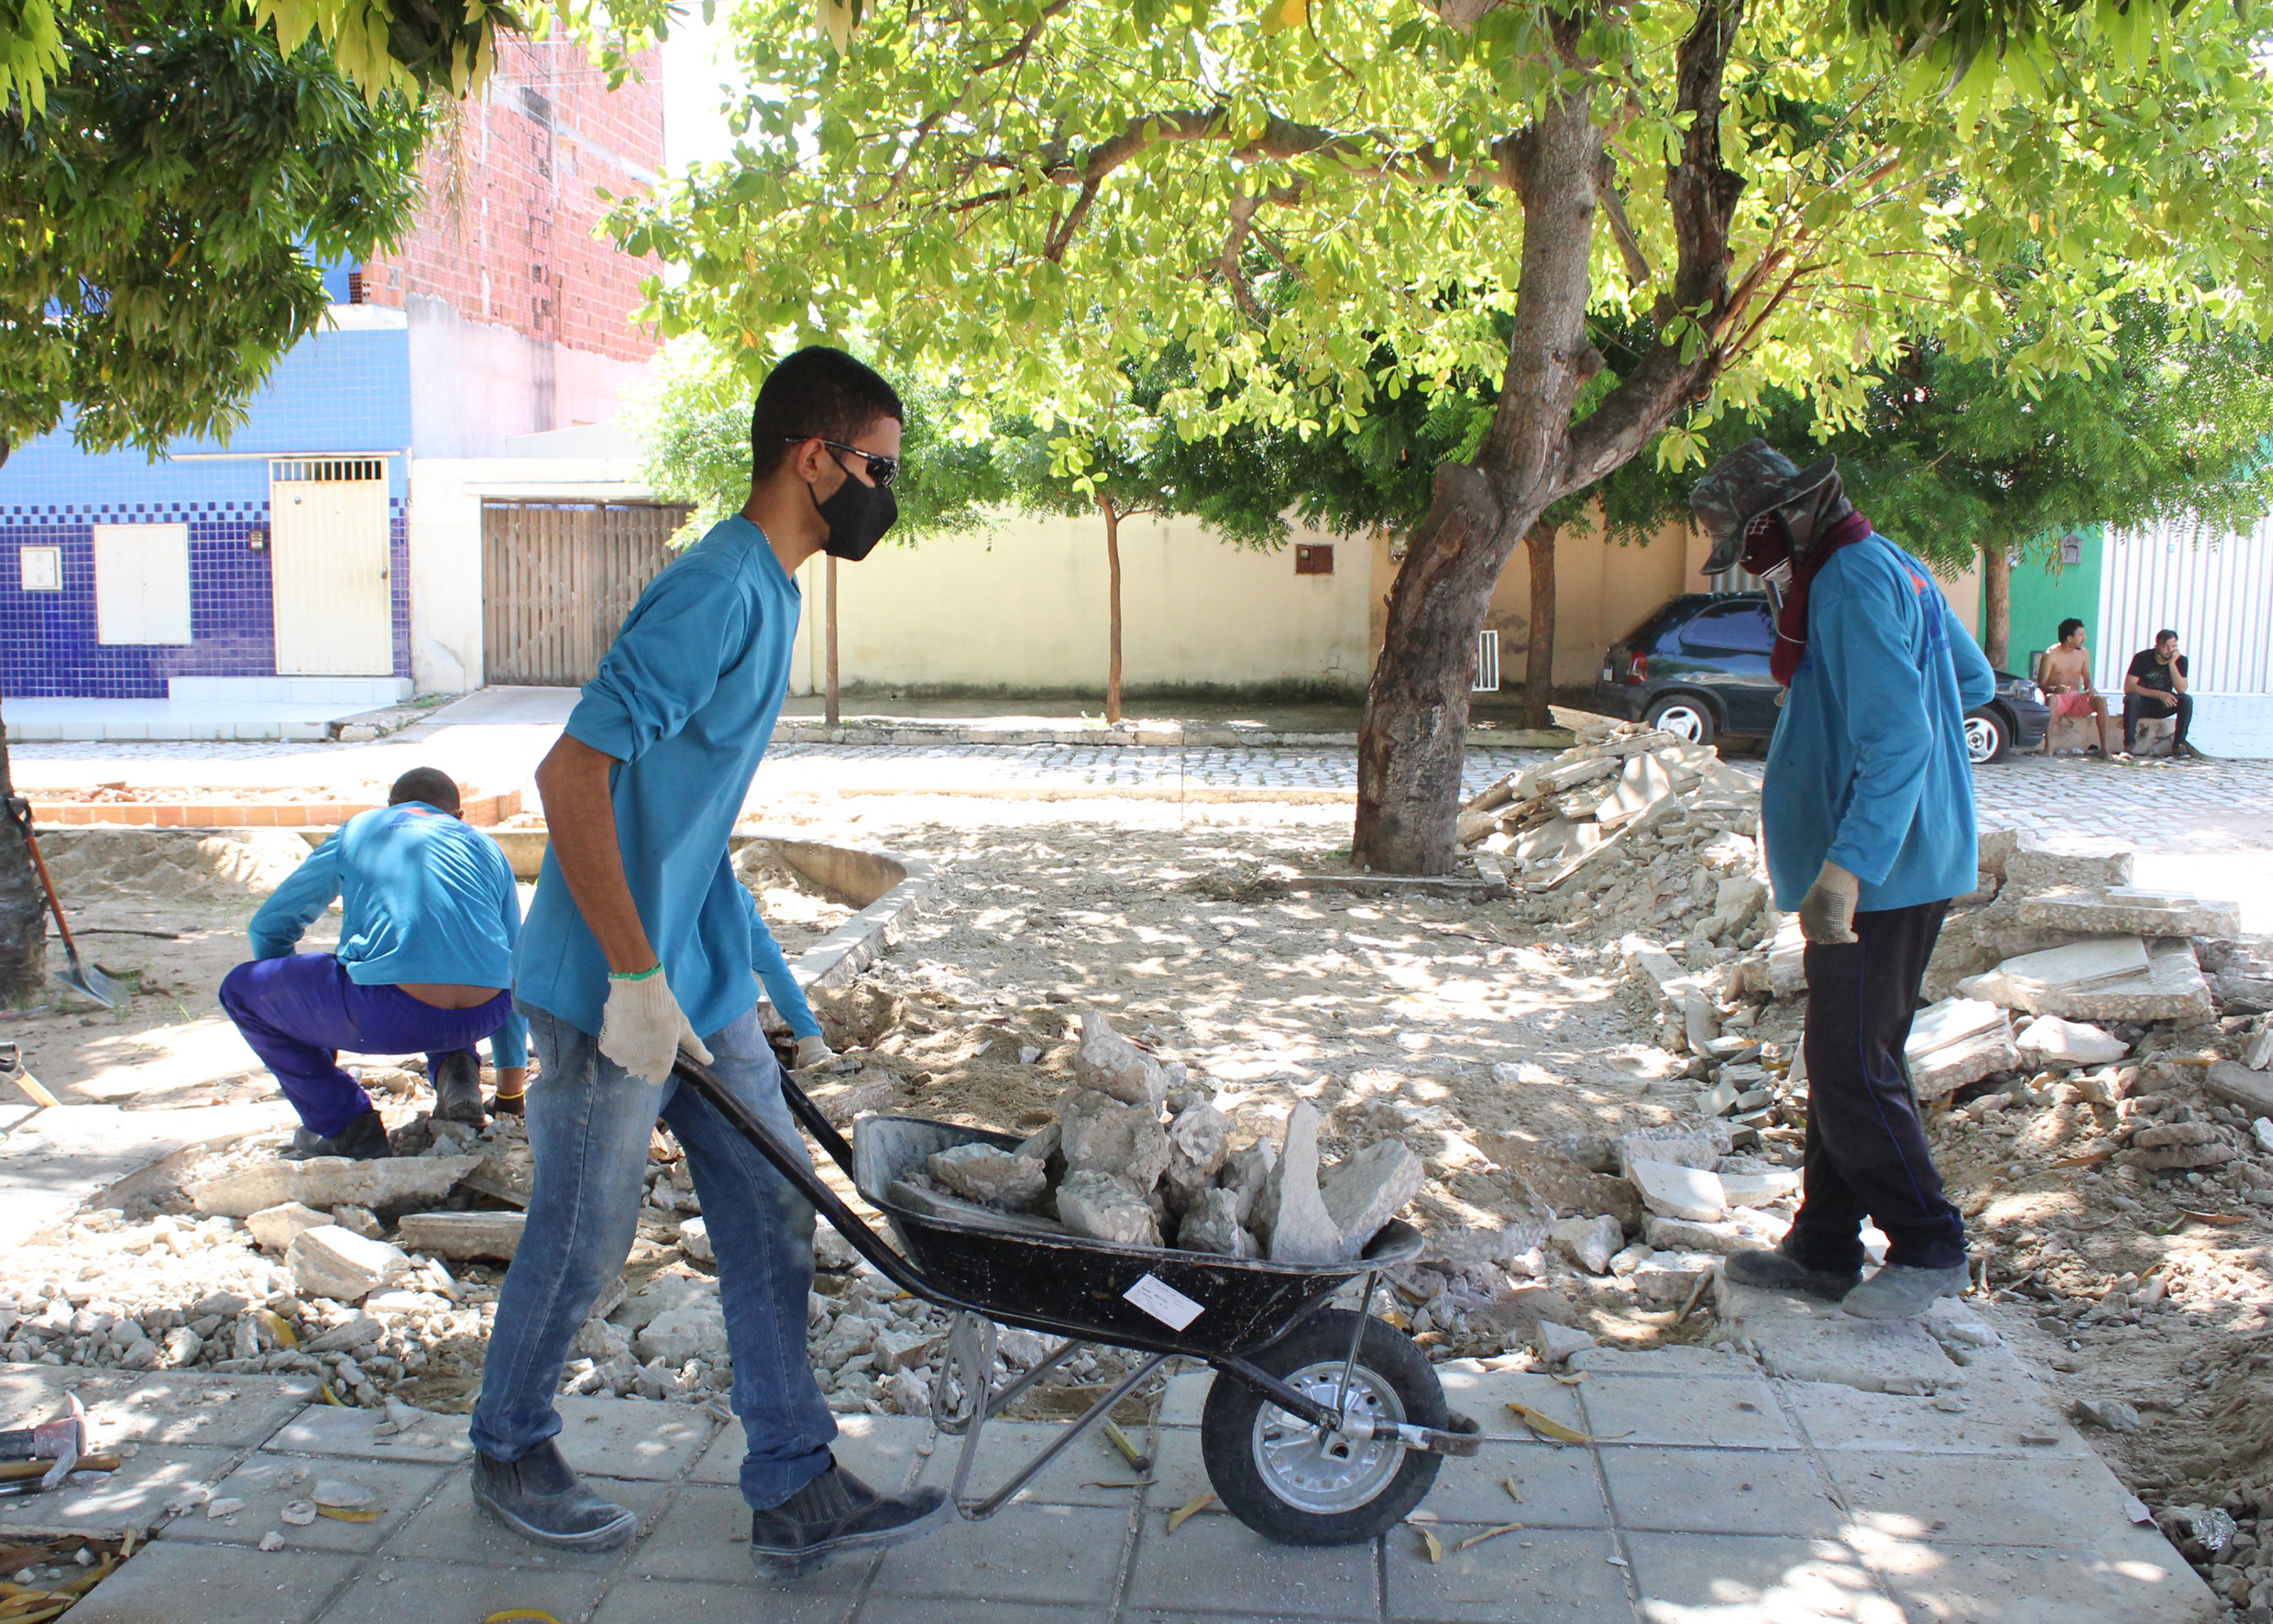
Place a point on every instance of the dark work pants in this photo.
(2136, 711)
(1866, 1145)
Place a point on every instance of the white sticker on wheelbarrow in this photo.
(1163, 1301)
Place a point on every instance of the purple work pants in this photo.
(298, 1011)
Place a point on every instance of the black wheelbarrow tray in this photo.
(1325, 1425)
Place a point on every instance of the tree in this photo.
(1035, 192)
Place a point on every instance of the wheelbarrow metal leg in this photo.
(978, 1511)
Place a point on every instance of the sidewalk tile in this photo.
(1069, 1480)
(1484, 1395)
(1215, 1564)
(2038, 1586)
(1991, 1420)
(1712, 1491)
(1677, 1359)
(1532, 1576)
(1726, 1414)
(451, 1528)
(1177, 1473)
(167, 1582)
(1559, 1486)
(1689, 1578)
(704, 1534)
(401, 1488)
(331, 1429)
(1185, 1397)
(676, 1601)
(1990, 1499)
(444, 1591)
(880, 1450)
(632, 1438)
(112, 1502)
(926, 1609)
(1055, 1553)
(186, 1407)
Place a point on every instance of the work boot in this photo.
(1897, 1291)
(836, 1512)
(458, 1088)
(1774, 1271)
(363, 1139)
(539, 1497)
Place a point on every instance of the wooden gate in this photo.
(557, 579)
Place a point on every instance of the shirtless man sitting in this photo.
(2066, 679)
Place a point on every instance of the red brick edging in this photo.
(482, 811)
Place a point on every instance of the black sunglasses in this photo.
(881, 469)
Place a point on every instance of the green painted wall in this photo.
(2045, 593)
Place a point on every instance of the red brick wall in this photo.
(514, 246)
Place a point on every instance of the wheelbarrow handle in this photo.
(825, 1132)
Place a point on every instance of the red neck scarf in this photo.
(1792, 623)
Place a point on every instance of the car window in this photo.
(1731, 629)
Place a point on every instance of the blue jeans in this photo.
(297, 1011)
(588, 1123)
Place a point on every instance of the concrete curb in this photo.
(888, 888)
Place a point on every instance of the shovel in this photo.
(79, 978)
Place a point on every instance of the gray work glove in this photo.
(642, 1029)
(812, 1052)
(1826, 914)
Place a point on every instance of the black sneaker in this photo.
(539, 1497)
(836, 1512)
(458, 1089)
(363, 1139)
(1773, 1271)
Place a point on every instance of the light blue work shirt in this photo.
(685, 701)
(422, 897)
(1869, 768)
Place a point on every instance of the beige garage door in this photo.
(557, 579)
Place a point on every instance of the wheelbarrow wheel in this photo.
(1277, 1475)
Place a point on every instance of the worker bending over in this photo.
(429, 920)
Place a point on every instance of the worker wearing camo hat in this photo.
(1867, 818)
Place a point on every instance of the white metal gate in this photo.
(328, 566)
(2217, 595)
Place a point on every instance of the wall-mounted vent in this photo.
(1486, 662)
(326, 470)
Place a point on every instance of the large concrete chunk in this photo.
(1097, 1205)
(2054, 863)
(2107, 910)
(1701, 1144)
(1098, 1133)
(1246, 1174)
(1211, 1224)
(275, 1228)
(2105, 978)
(1291, 1218)
(342, 1264)
(1953, 1065)
(1677, 1191)
(2050, 1042)
(1199, 1140)
(1112, 1065)
(1787, 958)
(2238, 1085)
(1590, 1242)
(327, 1181)
(1365, 1192)
(464, 1234)
(987, 1173)
(695, 1330)
(1951, 1021)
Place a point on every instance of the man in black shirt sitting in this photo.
(2156, 688)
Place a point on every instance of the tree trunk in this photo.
(23, 906)
(829, 708)
(1112, 632)
(1539, 656)
(1996, 604)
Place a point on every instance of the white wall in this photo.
(475, 385)
(1024, 609)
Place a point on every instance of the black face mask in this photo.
(857, 515)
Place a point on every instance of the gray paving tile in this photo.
(1530, 1576)
(333, 1429)
(1218, 1564)
(445, 1592)
(1713, 1491)
(703, 1533)
(1677, 1359)
(1177, 1474)
(1559, 1486)
(1939, 1581)
(1728, 1413)
(451, 1528)
(1484, 1395)
(926, 1609)
(186, 1407)
(673, 1601)
(1980, 1418)
(1184, 1397)
(169, 1583)
(112, 1502)
(632, 1438)
(1052, 1554)
(266, 1485)
(880, 1450)
(1691, 1578)
(1986, 1499)
(1085, 1475)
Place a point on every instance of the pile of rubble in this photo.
(1137, 1155)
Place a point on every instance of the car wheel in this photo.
(1683, 717)
(1988, 738)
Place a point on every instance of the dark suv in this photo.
(1698, 667)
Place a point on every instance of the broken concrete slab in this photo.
(2258, 1055)
(2039, 863)
(1677, 1191)
(339, 1264)
(467, 1234)
(1291, 1219)
(2179, 1145)
(1951, 1068)
(2102, 979)
(2048, 1040)
(1095, 1204)
(1199, 1140)
(695, 1330)
(1211, 1224)
(1558, 1342)
(1666, 1279)
(324, 1182)
(1244, 1174)
(1698, 1145)
(2238, 1085)
(1366, 1191)
(2109, 910)
(1787, 957)
(1951, 1021)
(695, 1240)
(1101, 1134)
(987, 1173)
(275, 1228)
(1590, 1242)
(1758, 1189)
(1114, 1067)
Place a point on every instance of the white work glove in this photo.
(643, 1027)
(812, 1052)
(1826, 914)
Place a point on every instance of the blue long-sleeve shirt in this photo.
(423, 898)
(1869, 768)
(685, 701)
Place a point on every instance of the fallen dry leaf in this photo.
(1431, 1545)
(1489, 1534)
(1546, 1426)
(1178, 1518)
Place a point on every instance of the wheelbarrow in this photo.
(1324, 1425)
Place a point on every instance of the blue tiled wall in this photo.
(335, 392)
